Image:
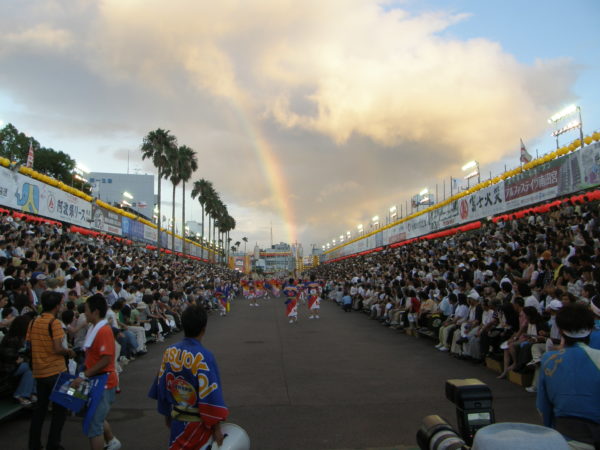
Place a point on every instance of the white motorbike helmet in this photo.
(236, 438)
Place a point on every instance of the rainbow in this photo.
(270, 166)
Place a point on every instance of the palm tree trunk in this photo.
(209, 246)
(159, 215)
(183, 219)
(202, 243)
(173, 224)
(215, 239)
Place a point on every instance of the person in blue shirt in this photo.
(569, 382)
(595, 336)
(347, 301)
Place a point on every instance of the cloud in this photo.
(361, 104)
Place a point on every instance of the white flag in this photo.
(525, 155)
(30, 156)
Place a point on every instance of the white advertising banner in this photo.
(32, 196)
(562, 176)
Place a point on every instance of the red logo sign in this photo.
(51, 203)
(464, 209)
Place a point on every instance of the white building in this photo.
(109, 187)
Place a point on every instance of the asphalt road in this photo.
(340, 382)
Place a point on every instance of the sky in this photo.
(311, 116)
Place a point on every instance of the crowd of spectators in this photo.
(522, 291)
(145, 294)
(494, 291)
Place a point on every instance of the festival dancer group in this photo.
(295, 292)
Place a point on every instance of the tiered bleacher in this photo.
(146, 294)
(489, 295)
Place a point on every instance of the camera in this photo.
(474, 414)
(473, 400)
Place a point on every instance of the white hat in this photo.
(555, 305)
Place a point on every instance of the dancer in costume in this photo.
(314, 297)
(188, 387)
(291, 301)
(252, 295)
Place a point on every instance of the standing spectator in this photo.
(99, 349)
(192, 419)
(46, 335)
(569, 385)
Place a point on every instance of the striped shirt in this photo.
(45, 362)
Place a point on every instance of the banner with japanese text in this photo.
(562, 176)
(34, 197)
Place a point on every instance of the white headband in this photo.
(577, 334)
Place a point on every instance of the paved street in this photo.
(340, 382)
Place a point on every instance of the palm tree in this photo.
(237, 245)
(156, 146)
(231, 224)
(202, 189)
(188, 164)
(173, 172)
(212, 205)
(245, 239)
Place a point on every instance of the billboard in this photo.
(26, 194)
(561, 176)
(105, 220)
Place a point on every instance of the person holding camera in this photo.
(45, 336)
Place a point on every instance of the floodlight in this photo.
(469, 165)
(563, 113)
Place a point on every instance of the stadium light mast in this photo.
(375, 220)
(566, 112)
(360, 229)
(474, 173)
(393, 213)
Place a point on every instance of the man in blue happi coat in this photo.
(569, 382)
(188, 387)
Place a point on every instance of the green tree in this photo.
(245, 239)
(172, 171)
(56, 164)
(188, 165)
(156, 146)
(202, 190)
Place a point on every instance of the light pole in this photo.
(421, 195)
(375, 220)
(474, 167)
(393, 213)
(360, 229)
(577, 123)
(348, 235)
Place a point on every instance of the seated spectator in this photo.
(518, 351)
(14, 362)
(454, 321)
